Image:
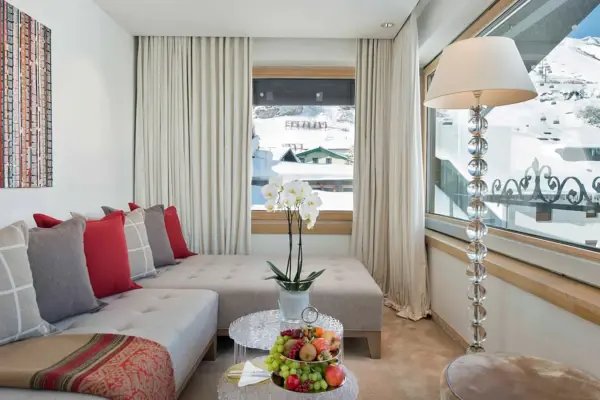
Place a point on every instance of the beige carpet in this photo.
(413, 356)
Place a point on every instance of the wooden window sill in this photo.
(329, 223)
(570, 295)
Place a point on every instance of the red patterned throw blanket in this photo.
(106, 365)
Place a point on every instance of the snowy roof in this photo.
(323, 150)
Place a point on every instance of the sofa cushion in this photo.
(105, 253)
(174, 232)
(141, 262)
(345, 291)
(158, 237)
(60, 275)
(19, 313)
(184, 321)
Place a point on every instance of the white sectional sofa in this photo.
(187, 305)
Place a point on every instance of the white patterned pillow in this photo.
(19, 313)
(141, 262)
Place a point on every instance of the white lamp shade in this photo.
(489, 65)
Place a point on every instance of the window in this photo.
(544, 154)
(304, 129)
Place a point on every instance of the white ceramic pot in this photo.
(291, 305)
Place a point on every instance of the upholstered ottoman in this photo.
(345, 291)
(493, 376)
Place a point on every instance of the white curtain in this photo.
(193, 132)
(389, 215)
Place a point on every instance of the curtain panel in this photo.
(193, 133)
(388, 233)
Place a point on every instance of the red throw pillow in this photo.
(105, 253)
(173, 225)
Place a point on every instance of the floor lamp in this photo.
(474, 74)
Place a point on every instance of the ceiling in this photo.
(260, 18)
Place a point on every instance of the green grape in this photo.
(296, 365)
(313, 377)
(280, 348)
(306, 369)
(285, 367)
(304, 378)
(280, 340)
(269, 368)
(317, 376)
(269, 360)
(317, 385)
(293, 371)
(284, 374)
(289, 362)
(323, 384)
(311, 387)
(275, 365)
(286, 338)
(273, 351)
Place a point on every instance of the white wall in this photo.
(517, 321)
(312, 245)
(304, 52)
(93, 113)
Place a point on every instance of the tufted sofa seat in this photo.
(184, 321)
(345, 291)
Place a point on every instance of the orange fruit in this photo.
(319, 332)
(320, 344)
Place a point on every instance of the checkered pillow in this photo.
(19, 313)
(141, 261)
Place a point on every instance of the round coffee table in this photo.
(269, 391)
(259, 330)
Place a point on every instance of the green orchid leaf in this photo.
(312, 276)
(280, 275)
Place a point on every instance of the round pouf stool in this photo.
(493, 376)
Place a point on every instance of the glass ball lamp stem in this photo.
(476, 229)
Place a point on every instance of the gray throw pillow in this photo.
(141, 261)
(154, 219)
(19, 313)
(59, 270)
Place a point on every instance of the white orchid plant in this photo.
(300, 203)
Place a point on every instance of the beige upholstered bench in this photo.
(492, 376)
(345, 291)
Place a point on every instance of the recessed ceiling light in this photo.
(387, 25)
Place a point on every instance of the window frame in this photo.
(542, 252)
(330, 222)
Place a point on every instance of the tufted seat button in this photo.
(192, 276)
(126, 327)
(149, 309)
(228, 277)
(164, 297)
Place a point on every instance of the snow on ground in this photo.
(273, 137)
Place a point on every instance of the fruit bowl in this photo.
(306, 360)
(306, 345)
(304, 387)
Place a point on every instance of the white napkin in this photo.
(251, 374)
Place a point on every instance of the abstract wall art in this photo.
(25, 101)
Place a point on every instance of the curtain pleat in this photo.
(389, 214)
(193, 132)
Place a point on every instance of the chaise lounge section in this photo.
(184, 321)
(345, 291)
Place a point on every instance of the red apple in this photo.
(334, 375)
(292, 382)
